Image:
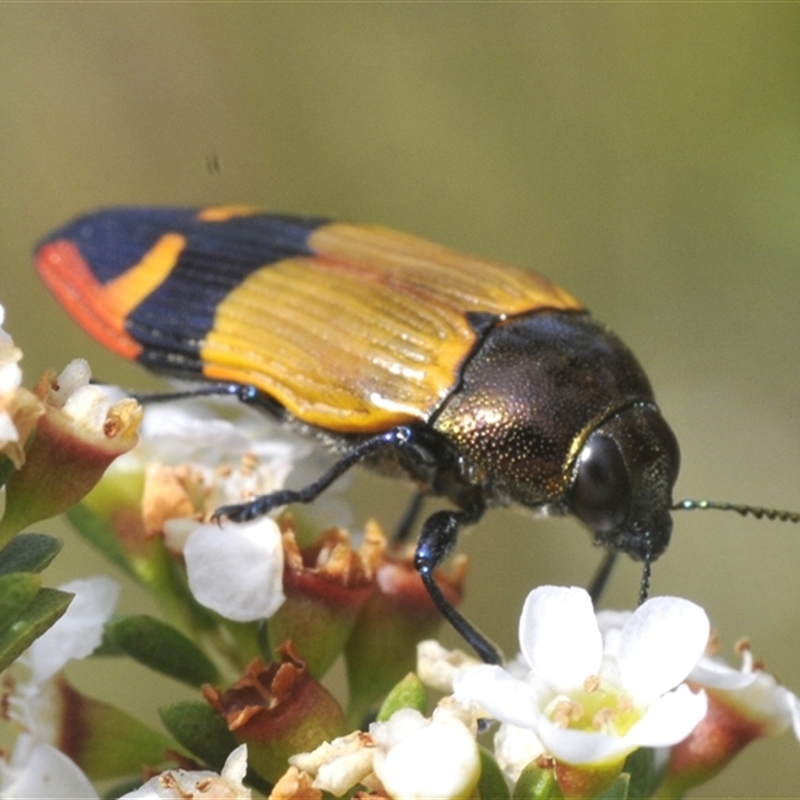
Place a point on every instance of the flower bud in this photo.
(277, 709)
(80, 433)
(326, 586)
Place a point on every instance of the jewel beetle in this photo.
(483, 383)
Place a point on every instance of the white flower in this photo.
(339, 765)
(19, 408)
(211, 434)
(515, 748)
(419, 758)
(10, 355)
(409, 756)
(92, 412)
(588, 706)
(79, 631)
(750, 691)
(743, 705)
(437, 666)
(237, 570)
(36, 768)
(200, 454)
(40, 772)
(179, 784)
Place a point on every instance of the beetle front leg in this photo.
(436, 542)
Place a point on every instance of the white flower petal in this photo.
(342, 773)
(46, 774)
(399, 726)
(193, 431)
(611, 624)
(235, 767)
(765, 701)
(754, 692)
(79, 631)
(10, 376)
(237, 570)
(188, 431)
(716, 673)
(437, 666)
(439, 759)
(659, 645)
(580, 747)
(10, 373)
(8, 430)
(670, 719)
(338, 765)
(794, 709)
(72, 379)
(559, 636)
(502, 696)
(515, 748)
(179, 784)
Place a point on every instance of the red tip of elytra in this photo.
(68, 275)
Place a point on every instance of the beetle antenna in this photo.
(744, 510)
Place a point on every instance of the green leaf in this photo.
(17, 591)
(204, 733)
(163, 648)
(492, 784)
(109, 646)
(408, 693)
(107, 743)
(619, 790)
(7, 469)
(29, 552)
(200, 730)
(45, 608)
(644, 775)
(536, 783)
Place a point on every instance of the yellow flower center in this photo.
(595, 709)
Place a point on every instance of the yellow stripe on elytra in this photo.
(338, 347)
(468, 283)
(127, 291)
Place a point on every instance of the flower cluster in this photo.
(254, 615)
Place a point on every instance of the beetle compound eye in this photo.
(601, 489)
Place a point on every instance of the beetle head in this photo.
(622, 481)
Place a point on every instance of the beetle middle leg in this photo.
(436, 542)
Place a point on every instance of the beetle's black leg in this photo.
(241, 512)
(601, 576)
(244, 392)
(410, 514)
(436, 542)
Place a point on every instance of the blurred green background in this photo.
(645, 156)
